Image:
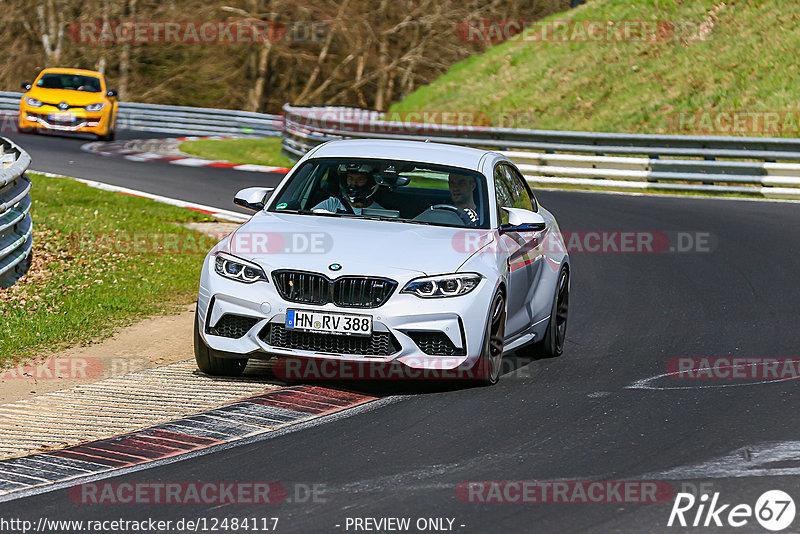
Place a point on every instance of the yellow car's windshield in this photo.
(75, 82)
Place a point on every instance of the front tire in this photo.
(109, 136)
(208, 360)
(27, 129)
(490, 364)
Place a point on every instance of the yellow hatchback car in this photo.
(69, 100)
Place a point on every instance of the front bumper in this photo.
(75, 120)
(403, 323)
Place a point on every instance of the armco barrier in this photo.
(16, 226)
(548, 157)
(181, 120)
(769, 167)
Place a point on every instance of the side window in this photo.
(524, 198)
(504, 193)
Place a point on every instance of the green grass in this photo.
(261, 151)
(96, 267)
(746, 63)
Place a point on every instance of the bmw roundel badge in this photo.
(335, 266)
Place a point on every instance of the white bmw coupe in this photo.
(429, 257)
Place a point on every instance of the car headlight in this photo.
(33, 102)
(446, 285)
(96, 107)
(238, 269)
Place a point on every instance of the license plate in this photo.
(329, 323)
(61, 117)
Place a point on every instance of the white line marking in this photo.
(216, 212)
(644, 383)
(144, 156)
(255, 168)
(195, 162)
(750, 461)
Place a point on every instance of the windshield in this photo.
(403, 191)
(75, 82)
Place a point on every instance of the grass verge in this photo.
(101, 260)
(723, 58)
(261, 151)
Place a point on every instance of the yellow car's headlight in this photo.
(96, 107)
(33, 102)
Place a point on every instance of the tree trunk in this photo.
(51, 26)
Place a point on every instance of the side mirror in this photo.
(253, 198)
(522, 220)
(112, 93)
(26, 86)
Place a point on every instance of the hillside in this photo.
(716, 68)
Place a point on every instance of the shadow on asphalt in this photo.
(514, 368)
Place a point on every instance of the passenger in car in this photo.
(462, 187)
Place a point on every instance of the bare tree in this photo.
(367, 52)
(50, 17)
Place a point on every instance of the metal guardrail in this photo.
(753, 165)
(581, 159)
(182, 120)
(16, 225)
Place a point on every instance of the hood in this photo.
(71, 97)
(361, 247)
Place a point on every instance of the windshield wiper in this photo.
(310, 212)
(398, 219)
(379, 218)
(370, 218)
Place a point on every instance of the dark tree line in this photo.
(364, 53)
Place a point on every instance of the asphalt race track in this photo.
(572, 418)
(61, 154)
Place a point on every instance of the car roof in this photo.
(72, 71)
(424, 152)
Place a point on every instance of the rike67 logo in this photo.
(774, 510)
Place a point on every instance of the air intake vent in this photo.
(378, 344)
(435, 344)
(233, 326)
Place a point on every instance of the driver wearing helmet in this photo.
(357, 188)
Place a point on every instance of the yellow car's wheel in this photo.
(109, 135)
(26, 129)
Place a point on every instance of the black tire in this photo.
(552, 346)
(488, 367)
(208, 360)
(109, 136)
